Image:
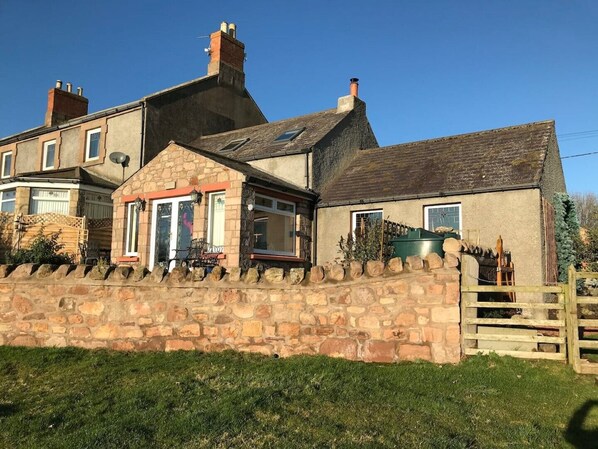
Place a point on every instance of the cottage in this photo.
(484, 184)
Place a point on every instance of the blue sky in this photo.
(427, 68)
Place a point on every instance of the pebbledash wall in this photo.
(381, 314)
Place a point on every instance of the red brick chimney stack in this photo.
(65, 105)
(354, 87)
(225, 49)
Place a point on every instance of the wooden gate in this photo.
(579, 328)
(561, 333)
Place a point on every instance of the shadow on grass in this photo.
(578, 435)
(7, 410)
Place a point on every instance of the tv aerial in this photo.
(120, 158)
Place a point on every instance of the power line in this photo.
(579, 155)
(578, 132)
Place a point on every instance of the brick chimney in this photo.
(64, 105)
(227, 55)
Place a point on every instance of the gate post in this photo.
(571, 318)
(470, 270)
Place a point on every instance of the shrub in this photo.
(43, 249)
(568, 243)
(365, 245)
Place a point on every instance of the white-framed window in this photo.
(49, 151)
(216, 203)
(92, 144)
(442, 215)
(6, 164)
(49, 201)
(132, 230)
(273, 226)
(7, 200)
(361, 219)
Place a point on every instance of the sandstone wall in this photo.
(386, 314)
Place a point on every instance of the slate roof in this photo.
(498, 159)
(33, 132)
(75, 175)
(253, 174)
(261, 143)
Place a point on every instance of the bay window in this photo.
(49, 200)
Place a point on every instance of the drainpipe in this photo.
(315, 238)
(143, 122)
(307, 168)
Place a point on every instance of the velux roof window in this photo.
(289, 135)
(234, 145)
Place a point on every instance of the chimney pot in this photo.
(232, 30)
(224, 27)
(69, 87)
(58, 84)
(354, 87)
(80, 91)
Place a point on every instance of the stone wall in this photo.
(383, 313)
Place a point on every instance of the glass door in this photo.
(172, 228)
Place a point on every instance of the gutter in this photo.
(427, 195)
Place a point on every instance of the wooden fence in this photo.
(76, 234)
(550, 330)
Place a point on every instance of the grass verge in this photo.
(72, 398)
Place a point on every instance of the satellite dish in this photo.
(119, 158)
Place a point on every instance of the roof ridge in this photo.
(250, 128)
(455, 136)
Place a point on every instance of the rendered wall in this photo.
(515, 215)
(384, 315)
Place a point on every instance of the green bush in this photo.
(366, 245)
(568, 243)
(43, 249)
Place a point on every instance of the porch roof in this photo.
(75, 174)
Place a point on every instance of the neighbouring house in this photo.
(485, 184)
(64, 167)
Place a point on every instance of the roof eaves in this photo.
(426, 195)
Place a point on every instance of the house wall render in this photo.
(385, 315)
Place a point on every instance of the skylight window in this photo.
(289, 135)
(233, 145)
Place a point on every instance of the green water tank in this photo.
(418, 242)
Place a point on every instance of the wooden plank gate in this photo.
(579, 327)
(550, 329)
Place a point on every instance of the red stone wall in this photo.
(386, 314)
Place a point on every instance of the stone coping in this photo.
(272, 277)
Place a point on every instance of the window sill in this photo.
(215, 255)
(127, 259)
(259, 256)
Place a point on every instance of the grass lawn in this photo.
(71, 398)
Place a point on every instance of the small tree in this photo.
(43, 249)
(568, 242)
(365, 244)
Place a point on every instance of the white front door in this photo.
(172, 228)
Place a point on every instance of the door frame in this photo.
(173, 226)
